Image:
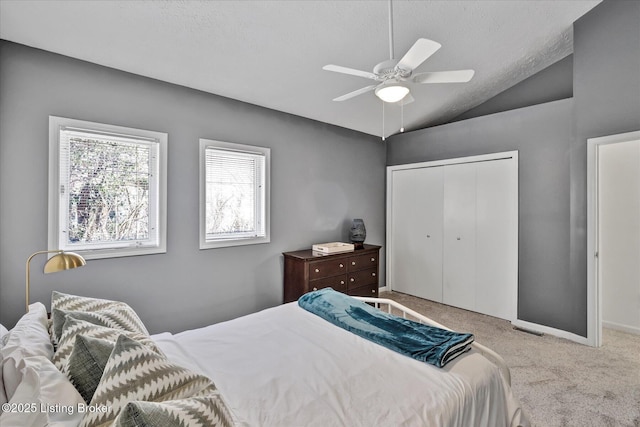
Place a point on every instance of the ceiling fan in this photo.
(393, 77)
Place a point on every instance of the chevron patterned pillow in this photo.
(206, 411)
(113, 314)
(136, 373)
(73, 327)
(116, 317)
(69, 302)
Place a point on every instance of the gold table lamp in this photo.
(61, 261)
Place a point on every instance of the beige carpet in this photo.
(558, 382)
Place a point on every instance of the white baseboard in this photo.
(619, 327)
(383, 289)
(551, 331)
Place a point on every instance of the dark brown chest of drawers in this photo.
(354, 273)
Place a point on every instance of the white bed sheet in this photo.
(286, 367)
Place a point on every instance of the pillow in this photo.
(29, 337)
(3, 395)
(208, 410)
(3, 331)
(46, 390)
(117, 317)
(73, 327)
(86, 363)
(113, 314)
(134, 372)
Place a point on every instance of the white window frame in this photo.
(262, 211)
(158, 192)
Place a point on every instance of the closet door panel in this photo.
(459, 257)
(496, 238)
(417, 215)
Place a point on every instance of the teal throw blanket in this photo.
(421, 342)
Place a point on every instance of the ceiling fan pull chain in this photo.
(402, 117)
(383, 120)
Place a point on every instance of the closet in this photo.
(452, 232)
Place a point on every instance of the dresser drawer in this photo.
(338, 283)
(327, 268)
(362, 278)
(365, 291)
(361, 262)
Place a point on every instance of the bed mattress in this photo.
(286, 367)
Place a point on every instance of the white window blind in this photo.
(108, 191)
(235, 194)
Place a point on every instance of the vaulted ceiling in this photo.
(271, 53)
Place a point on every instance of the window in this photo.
(234, 194)
(107, 189)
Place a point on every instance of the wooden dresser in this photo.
(354, 273)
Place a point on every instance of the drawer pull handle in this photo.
(353, 263)
(352, 279)
(373, 274)
(373, 260)
(342, 282)
(317, 270)
(315, 289)
(373, 291)
(341, 265)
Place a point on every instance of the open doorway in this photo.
(614, 234)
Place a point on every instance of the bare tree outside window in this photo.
(234, 194)
(107, 189)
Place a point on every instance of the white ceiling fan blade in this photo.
(353, 72)
(355, 93)
(419, 52)
(458, 76)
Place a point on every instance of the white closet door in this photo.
(496, 238)
(459, 264)
(416, 253)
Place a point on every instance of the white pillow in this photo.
(30, 337)
(3, 395)
(3, 332)
(43, 386)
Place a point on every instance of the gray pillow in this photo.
(201, 411)
(86, 364)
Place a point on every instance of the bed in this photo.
(285, 366)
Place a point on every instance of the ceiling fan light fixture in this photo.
(392, 93)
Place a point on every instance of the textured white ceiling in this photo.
(271, 53)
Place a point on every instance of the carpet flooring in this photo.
(558, 382)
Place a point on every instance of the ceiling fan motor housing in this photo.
(389, 70)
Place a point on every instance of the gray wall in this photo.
(606, 87)
(322, 177)
(552, 140)
(551, 84)
(542, 135)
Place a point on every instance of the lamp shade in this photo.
(393, 92)
(64, 261)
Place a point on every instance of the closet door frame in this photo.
(513, 155)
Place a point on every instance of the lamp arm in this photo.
(28, 262)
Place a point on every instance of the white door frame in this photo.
(594, 291)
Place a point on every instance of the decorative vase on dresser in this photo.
(357, 233)
(354, 273)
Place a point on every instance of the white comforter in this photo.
(285, 367)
